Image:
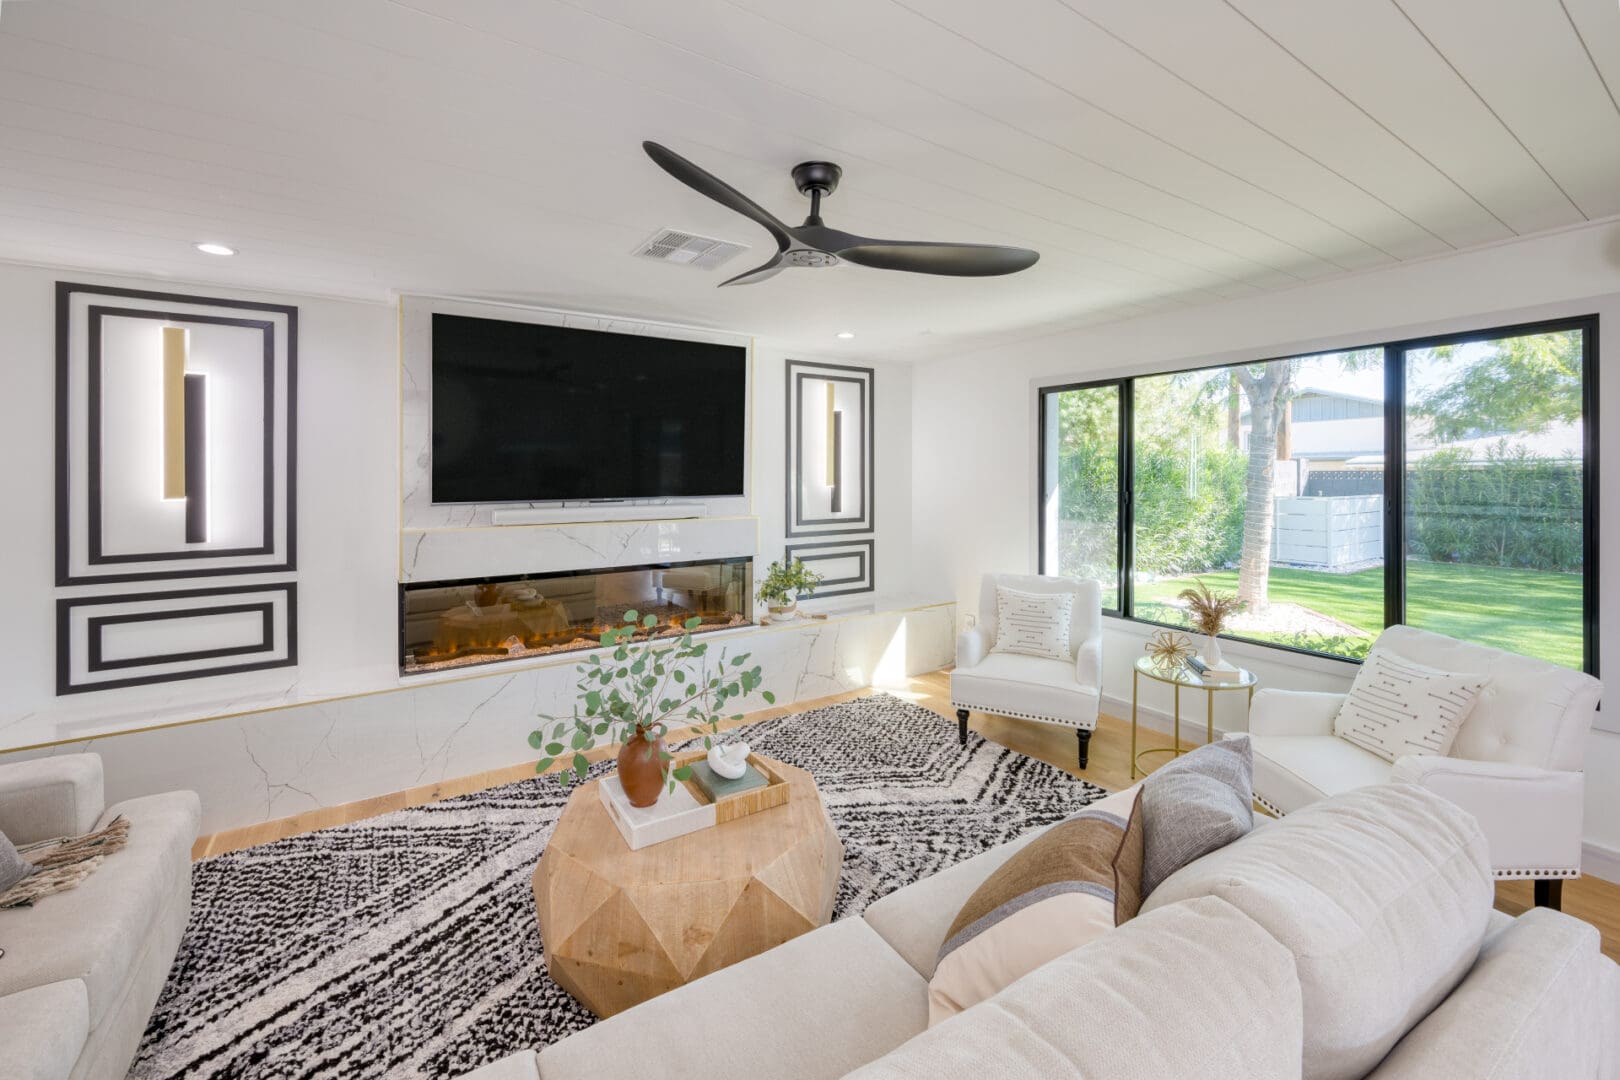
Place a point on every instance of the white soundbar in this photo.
(564, 515)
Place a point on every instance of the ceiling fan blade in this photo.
(704, 182)
(952, 260)
(759, 273)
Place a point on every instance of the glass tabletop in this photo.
(1183, 675)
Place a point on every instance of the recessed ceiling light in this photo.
(845, 335)
(214, 249)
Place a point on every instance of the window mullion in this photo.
(1127, 483)
(1394, 485)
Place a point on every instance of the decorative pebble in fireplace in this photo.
(451, 624)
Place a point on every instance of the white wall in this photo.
(343, 725)
(891, 396)
(974, 454)
(348, 478)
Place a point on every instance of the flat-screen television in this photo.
(529, 413)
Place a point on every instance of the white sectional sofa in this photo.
(82, 969)
(1353, 938)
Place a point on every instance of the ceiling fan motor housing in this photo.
(818, 176)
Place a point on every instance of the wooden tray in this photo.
(688, 808)
(731, 807)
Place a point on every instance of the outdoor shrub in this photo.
(1513, 510)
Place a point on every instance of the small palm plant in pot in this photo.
(786, 580)
(633, 694)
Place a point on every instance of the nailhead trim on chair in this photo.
(1566, 873)
(1272, 810)
(1501, 874)
(1023, 716)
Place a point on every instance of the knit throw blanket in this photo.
(62, 863)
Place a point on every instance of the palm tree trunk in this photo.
(1259, 510)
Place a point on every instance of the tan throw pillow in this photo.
(1396, 707)
(1067, 887)
(1035, 624)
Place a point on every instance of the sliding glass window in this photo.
(1495, 494)
(1465, 460)
(1080, 494)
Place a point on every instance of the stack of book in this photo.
(716, 786)
(1221, 672)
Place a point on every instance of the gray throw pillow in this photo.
(13, 867)
(1197, 803)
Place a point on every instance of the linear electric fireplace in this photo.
(451, 624)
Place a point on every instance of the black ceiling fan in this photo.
(814, 244)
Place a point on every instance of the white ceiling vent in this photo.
(688, 249)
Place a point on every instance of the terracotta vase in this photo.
(641, 770)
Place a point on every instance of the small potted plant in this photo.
(1209, 611)
(785, 582)
(632, 696)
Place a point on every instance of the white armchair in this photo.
(1065, 692)
(1515, 765)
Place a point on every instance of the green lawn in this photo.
(1526, 611)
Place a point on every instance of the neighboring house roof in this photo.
(1556, 442)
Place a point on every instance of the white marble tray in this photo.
(676, 813)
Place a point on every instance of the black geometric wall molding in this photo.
(848, 566)
(132, 639)
(830, 450)
(117, 517)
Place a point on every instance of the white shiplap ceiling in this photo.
(1157, 154)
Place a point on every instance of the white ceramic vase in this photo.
(1212, 650)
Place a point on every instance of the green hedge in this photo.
(1514, 510)
(1182, 526)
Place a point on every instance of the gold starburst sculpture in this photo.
(1169, 648)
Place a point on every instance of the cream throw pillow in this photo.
(1035, 624)
(1064, 889)
(1397, 707)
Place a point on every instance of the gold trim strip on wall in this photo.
(832, 460)
(174, 412)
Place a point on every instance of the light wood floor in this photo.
(1589, 898)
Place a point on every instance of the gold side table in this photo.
(1178, 676)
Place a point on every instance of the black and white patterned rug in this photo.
(406, 946)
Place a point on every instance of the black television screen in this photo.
(529, 413)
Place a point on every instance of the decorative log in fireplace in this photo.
(452, 624)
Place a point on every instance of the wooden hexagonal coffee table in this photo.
(622, 926)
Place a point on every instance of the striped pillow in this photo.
(1067, 887)
(1035, 624)
(1397, 707)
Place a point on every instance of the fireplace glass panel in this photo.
(463, 623)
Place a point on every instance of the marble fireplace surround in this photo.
(266, 763)
(450, 554)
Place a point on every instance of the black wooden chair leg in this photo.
(1085, 747)
(1550, 893)
(961, 726)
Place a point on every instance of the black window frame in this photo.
(1395, 417)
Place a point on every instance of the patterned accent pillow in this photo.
(13, 867)
(1197, 803)
(1035, 624)
(1068, 886)
(1396, 707)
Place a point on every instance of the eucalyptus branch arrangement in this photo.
(1210, 609)
(638, 691)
